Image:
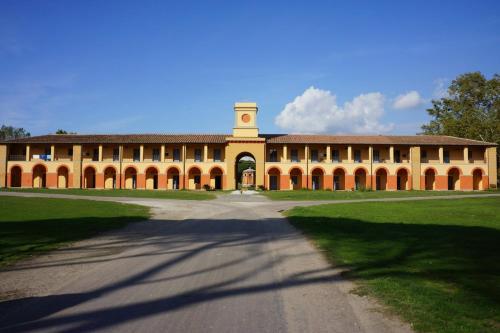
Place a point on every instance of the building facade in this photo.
(282, 162)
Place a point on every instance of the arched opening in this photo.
(173, 179)
(194, 178)
(430, 180)
(216, 178)
(245, 172)
(39, 176)
(317, 179)
(62, 177)
(381, 180)
(151, 178)
(360, 179)
(130, 178)
(477, 180)
(453, 179)
(89, 178)
(109, 178)
(402, 180)
(339, 180)
(296, 178)
(16, 176)
(274, 175)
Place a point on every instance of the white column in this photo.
(205, 153)
(466, 154)
(306, 153)
(52, 152)
(370, 154)
(349, 154)
(285, 154)
(441, 155)
(141, 153)
(162, 153)
(28, 153)
(328, 154)
(100, 153)
(391, 154)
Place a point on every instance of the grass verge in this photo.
(350, 195)
(434, 263)
(32, 225)
(155, 194)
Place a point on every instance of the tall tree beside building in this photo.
(10, 132)
(470, 110)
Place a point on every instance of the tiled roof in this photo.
(124, 138)
(373, 139)
(270, 138)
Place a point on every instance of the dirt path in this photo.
(227, 265)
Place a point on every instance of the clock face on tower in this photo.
(245, 118)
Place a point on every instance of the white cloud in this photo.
(408, 100)
(316, 111)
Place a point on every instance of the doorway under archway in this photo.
(245, 171)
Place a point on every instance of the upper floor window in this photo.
(70, 152)
(217, 155)
(336, 155)
(357, 156)
(156, 154)
(376, 156)
(469, 155)
(95, 155)
(397, 156)
(273, 155)
(137, 154)
(314, 155)
(116, 154)
(423, 155)
(197, 155)
(446, 156)
(294, 155)
(177, 155)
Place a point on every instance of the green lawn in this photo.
(435, 263)
(33, 225)
(347, 195)
(156, 194)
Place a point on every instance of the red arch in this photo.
(174, 167)
(339, 168)
(16, 165)
(480, 169)
(430, 168)
(454, 167)
(382, 168)
(274, 167)
(37, 165)
(130, 167)
(361, 168)
(215, 167)
(296, 167)
(403, 168)
(62, 166)
(110, 166)
(316, 168)
(152, 167)
(87, 167)
(194, 167)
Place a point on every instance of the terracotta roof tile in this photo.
(270, 138)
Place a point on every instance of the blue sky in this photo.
(161, 66)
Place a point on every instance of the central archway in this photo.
(244, 170)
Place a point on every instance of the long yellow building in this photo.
(282, 162)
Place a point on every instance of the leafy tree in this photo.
(61, 131)
(10, 132)
(471, 110)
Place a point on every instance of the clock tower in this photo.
(245, 120)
